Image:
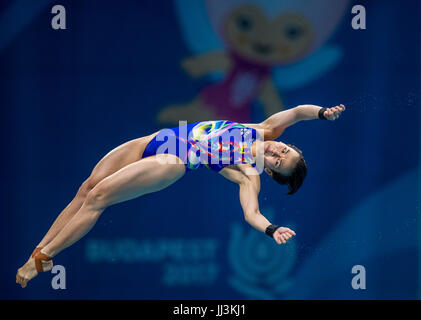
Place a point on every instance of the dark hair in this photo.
(295, 180)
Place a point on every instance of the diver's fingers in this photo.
(277, 238)
(292, 232)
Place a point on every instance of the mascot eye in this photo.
(244, 23)
(293, 32)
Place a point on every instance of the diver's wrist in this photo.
(270, 230)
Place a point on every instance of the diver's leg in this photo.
(116, 159)
(136, 179)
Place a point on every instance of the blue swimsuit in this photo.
(210, 144)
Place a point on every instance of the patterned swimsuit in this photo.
(210, 144)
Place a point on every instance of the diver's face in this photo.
(280, 158)
(252, 35)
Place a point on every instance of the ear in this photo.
(268, 171)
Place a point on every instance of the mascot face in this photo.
(251, 34)
(274, 32)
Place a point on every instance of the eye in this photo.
(284, 150)
(244, 23)
(293, 32)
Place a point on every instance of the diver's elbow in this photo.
(250, 216)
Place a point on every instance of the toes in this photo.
(20, 280)
(23, 281)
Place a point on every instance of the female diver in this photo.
(152, 163)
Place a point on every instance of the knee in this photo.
(97, 198)
(86, 187)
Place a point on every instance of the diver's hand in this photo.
(334, 113)
(282, 235)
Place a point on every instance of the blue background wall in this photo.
(68, 97)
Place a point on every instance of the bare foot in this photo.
(29, 271)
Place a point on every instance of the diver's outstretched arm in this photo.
(277, 123)
(249, 192)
